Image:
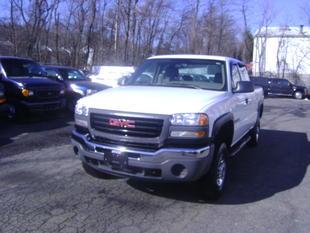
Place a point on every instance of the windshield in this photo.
(188, 73)
(72, 74)
(21, 68)
(65, 73)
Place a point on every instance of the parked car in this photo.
(177, 119)
(280, 87)
(110, 75)
(3, 103)
(26, 87)
(76, 83)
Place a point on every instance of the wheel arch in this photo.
(260, 109)
(223, 129)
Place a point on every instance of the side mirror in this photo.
(244, 87)
(122, 81)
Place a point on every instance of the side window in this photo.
(274, 82)
(51, 73)
(285, 83)
(75, 75)
(235, 76)
(244, 73)
(148, 75)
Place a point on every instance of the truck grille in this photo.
(130, 145)
(47, 93)
(140, 127)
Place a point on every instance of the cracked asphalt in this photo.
(44, 189)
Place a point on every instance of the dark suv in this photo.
(27, 89)
(76, 83)
(3, 103)
(281, 87)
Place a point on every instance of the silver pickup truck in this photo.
(176, 119)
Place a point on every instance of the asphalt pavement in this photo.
(44, 189)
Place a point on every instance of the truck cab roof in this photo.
(193, 56)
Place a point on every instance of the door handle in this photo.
(246, 101)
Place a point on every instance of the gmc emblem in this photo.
(123, 123)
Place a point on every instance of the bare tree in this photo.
(261, 37)
(85, 32)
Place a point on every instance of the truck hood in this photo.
(87, 85)
(153, 100)
(35, 81)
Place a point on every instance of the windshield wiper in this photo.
(186, 85)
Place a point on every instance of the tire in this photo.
(254, 134)
(15, 113)
(94, 173)
(298, 95)
(71, 106)
(214, 182)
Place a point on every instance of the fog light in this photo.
(179, 170)
(80, 122)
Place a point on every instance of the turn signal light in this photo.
(27, 92)
(200, 134)
(188, 134)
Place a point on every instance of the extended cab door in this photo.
(252, 102)
(238, 105)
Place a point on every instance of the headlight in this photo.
(62, 92)
(27, 92)
(189, 119)
(81, 109)
(90, 91)
(78, 89)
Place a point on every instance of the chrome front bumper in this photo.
(166, 164)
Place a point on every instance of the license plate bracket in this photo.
(116, 159)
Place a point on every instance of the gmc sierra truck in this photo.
(178, 118)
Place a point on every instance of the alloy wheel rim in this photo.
(257, 132)
(298, 95)
(221, 172)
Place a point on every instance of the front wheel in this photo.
(15, 113)
(214, 181)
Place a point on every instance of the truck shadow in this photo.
(11, 130)
(279, 163)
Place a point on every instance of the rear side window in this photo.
(53, 73)
(244, 73)
(235, 76)
(284, 83)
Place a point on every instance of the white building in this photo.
(283, 52)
